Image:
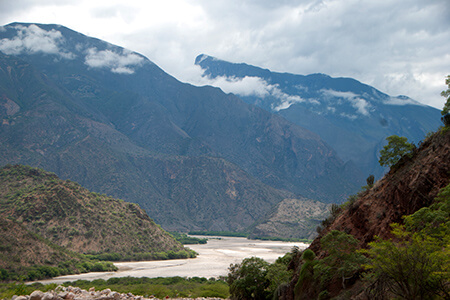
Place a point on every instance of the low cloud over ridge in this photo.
(253, 86)
(33, 39)
(121, 63)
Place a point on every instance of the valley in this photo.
(103, 153)
(213, 260)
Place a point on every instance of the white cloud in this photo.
(401, 101)
(122, 63)
(399, 47)
(33, 39)
(360, 104)
(253, 86)
(247, 86)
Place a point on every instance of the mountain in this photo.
(194, 158)
(413, 183)
(352, 117)
(70, 216)
(292, 218)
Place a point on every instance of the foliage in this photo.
(416, 264)
(141, 256)
(254, 278)
(247, 280)
(219, 233)
(37, 272)
(396, 148)
(411, 267)
(370, 180)
(280, 239)
(306, 285)
(446, 94)
(342, 262)
(188, 240)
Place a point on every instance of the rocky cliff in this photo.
(411, 184)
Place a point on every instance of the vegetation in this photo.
(50, 227)
(446, 110)
(80, 220)
(188, 240)
(396, 148)
(446, 94)
(249, 236)
(140, 256)
(280, 239)
(254, 278)
(37, 272)
(342, 263)
(194, 287)
(219, 233)
(416, 264)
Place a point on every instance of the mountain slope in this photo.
(131, 93)
(411, 184)
(43, 125)
(352, 117)
(113, 121)
(71, 216)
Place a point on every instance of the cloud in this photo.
(121, 63)
(401, 100)
(253, 86)
(247, 86)
(399, 47)
(361, 105)
(33, 39)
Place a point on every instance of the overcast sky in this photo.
(399, 47)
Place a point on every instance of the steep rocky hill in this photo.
(24, 248)
(72, 217)
(411, 184)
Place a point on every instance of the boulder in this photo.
(36, 295)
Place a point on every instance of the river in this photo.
(213, 260)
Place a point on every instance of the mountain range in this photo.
(352, 117)
(194, 158)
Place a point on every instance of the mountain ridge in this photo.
(354, 118)
(117, 124)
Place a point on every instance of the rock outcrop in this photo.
(411, 184)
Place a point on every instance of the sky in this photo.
(399, 47)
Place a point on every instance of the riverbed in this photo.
(213, 260)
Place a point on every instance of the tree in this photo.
(396, 148)
(416, 264)
(306, 286)
(370, 180)
(412, 266)
(446, 110)
(343, 260)
(247, 280)
(446, 94)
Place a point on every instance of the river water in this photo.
(213, 260)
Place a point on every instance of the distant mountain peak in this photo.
(63, 43)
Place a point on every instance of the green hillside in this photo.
(70, 216)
